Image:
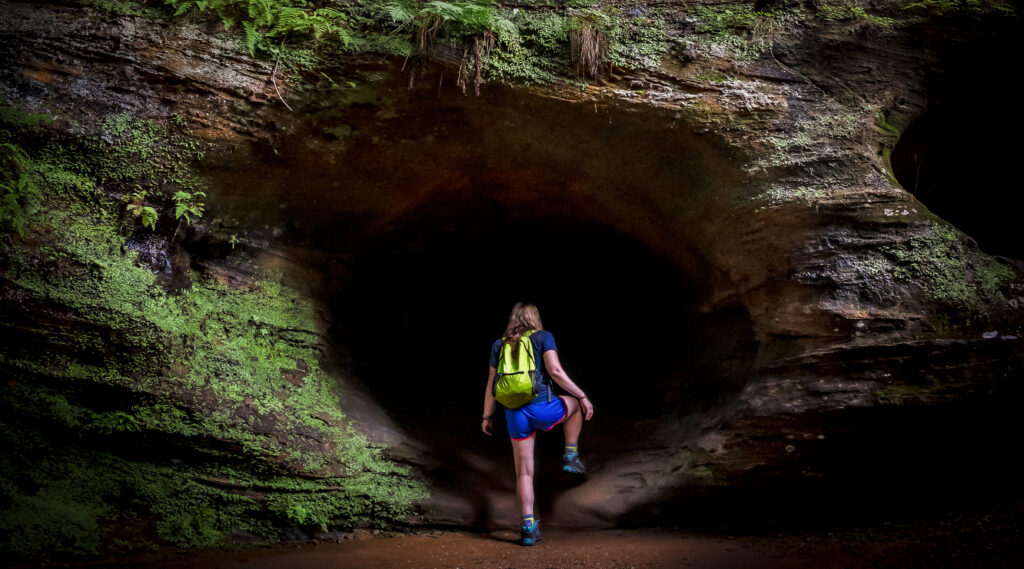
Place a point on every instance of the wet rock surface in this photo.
(807, 318)
(152, 250)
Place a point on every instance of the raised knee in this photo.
(573, 407)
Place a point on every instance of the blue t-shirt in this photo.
(542, 341)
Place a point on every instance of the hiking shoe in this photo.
(530, 534)
(573, 464)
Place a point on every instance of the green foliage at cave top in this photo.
(526, 44)
(362, 25)
(269, 19)
(470, 16)
(528, 37)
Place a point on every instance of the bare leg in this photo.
(522, 451)
(573, 422)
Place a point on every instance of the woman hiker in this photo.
(542, 412)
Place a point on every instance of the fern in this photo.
(252, 35)
(460, 20)
(475, 24)
(472, 17)
(443, 10)
(182, 7)
(264, 19)
(401, 12)
(10, 203)
(12, 155)
(326, 21)
(16, 188)
(262, 12)
(290, 20)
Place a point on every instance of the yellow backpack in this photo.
(517, 378)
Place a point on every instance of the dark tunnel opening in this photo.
(959, 157)
(424, 305)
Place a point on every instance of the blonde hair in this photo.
(524, 317)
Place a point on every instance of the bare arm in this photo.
(554, 368)
(485, 426)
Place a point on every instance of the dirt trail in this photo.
(987, 538)
(612, 549)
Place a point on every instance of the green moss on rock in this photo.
(939, 261)
(851, 11)
(739, 30)
(103, 363)
(638, 42)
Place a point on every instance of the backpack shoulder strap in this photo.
(529, 348)
(501, 351)
(536, 365)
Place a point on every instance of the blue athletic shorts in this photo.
(528, 419)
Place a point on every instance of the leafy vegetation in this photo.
(451, 20)
(638, 42)
(18, 195)
(187, 206)
(130, 406)
(534, 45)
(266, 20)
(138, 208)
(851, 11)
(738, 29)
(529, 50)
(125, 7)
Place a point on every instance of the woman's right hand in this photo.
(588, 408)
(485, 426)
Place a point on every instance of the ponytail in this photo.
(524, 317)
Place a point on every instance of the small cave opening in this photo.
(958, 157)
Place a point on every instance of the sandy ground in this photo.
(613, 549)
(986, 538)
(965, 543)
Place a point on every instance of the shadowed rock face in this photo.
(952, 157)
(762, 316)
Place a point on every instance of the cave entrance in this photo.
(403, 202)
(424, 305)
